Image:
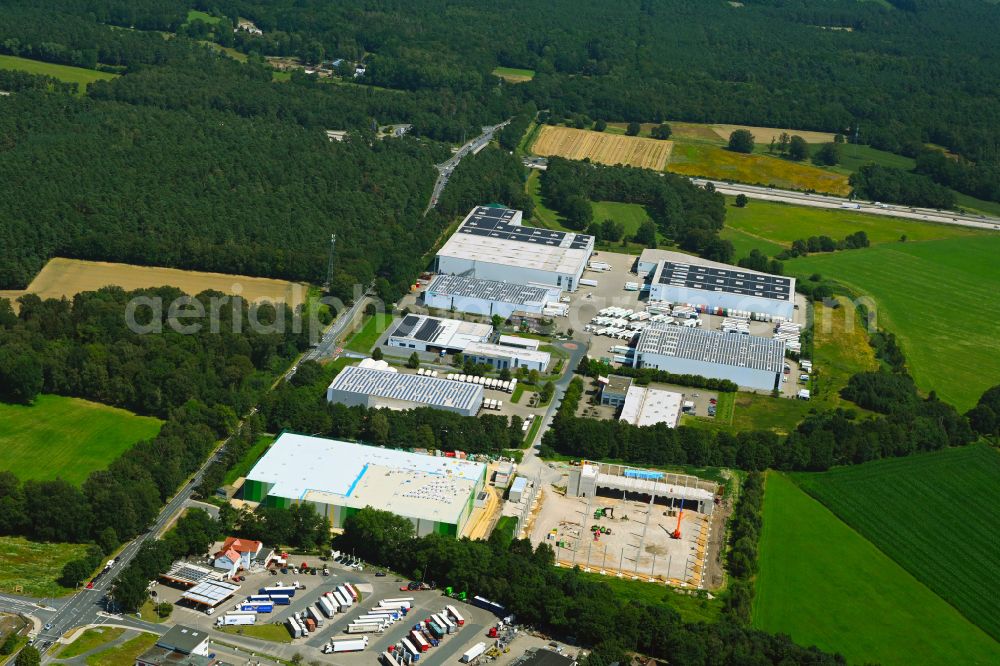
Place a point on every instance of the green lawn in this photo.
(366, 336)
(35, 566)
(195, 15)
(90, 639)
(956, 558)
(691, 608)
(783, 223)
(630, 215)
(972, 204)
(243, 467)
(65, 73)
(67, 437)
(825, 585)
(855, 156)
(514, 74)
(939, 298)
(276, 633)
(126, 653)
(536, 424)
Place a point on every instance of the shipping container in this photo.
(281, 599)
(257, 606)
(353, 592)
(486, 604)
(294, 628)
(316, 615)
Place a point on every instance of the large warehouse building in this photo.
(487, 297)
(339, 478)
(681, 278)
(380, 388)
(424, 333)
(491, 244)
(748, 360)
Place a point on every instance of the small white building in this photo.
(236, 554)
(503, 357)
(424, 333)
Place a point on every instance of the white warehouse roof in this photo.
(495, 235)
(422, 389)
(505, 351)
(439, 332)
(340, 473)
(747, 351)
(648, 406)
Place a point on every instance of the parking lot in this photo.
(371, 587)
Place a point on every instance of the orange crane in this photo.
(676, 534)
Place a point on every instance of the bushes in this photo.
(741, 560)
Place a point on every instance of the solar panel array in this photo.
(729, 280)
(406, 326)
(484, 222)
(211, 593)
(748, 351)
(488, 290)
(411, 388)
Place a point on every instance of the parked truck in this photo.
(367, 628)
(281, 599)
(348, 645)
(473, 653)
(287, 590)
(326, 606)
(418, 639)
(231, 619)
(355, 596)
(455, 614)
(256, 606)
(411, 649)
(294, 628)
(316, 615)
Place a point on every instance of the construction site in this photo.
(632, 523)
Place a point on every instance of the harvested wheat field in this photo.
(764, 135)
(577, 144)
(67, 277)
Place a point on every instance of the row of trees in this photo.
(741, 559)
(879, 183)
(803, 246)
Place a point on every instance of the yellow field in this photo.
(764, 134)
(67, 277)
(600, 147)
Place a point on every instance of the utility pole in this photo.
(329, 263)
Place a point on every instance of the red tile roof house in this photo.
(236, 554)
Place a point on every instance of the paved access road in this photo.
(870, 207)
(446, 168)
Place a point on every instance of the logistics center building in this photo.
(748, 360)
(374, 388)
(424, 333)
(491, 244)
(680, 278)
(487, 297)
(337, 478)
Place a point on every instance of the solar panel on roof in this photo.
(428, 331)
(728, 280)
(406, 326)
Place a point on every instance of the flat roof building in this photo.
(648, 406)
(505, 357)
(424, 333)
(180, 646)
(681, 278)
(487, 297)
(492, 244)
(339, 478)
(748, 360)
(373, 388)
(614, 390)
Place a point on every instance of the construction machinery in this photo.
(676, 534)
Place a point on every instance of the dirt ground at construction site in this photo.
(635, 540)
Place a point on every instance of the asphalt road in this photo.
(446, 168)
(870, 207)
(327, 345)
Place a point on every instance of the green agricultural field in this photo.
(825, 585)
(369, 333)
(78, 75)
(243, 467)
(744, 242)
(513, 74)
(939, 298)
(935, 514)
(35, 566)
(783, 223)
(67, 437)
(711, 161)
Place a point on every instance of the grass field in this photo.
(781, 223)
(918, 520)
(854, 156)
(195, 15)
(939, 298)
(977, 205)
(35, 566)
(246, 464)
(629, 214)
(744, 242)
(513, 74)
(710, 161)
(68, 277)
(126, 653)
(841, 349)
(276, 633)
(691, 608)
(89, 640)
(78, 75)
(366, 336)
(67, 437)
(823, 584)
(602, 147)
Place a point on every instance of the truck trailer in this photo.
(455, 614)
(256, 606)
(326, 606)
(366, 628)
(231, 619)
(349, 645)
(473, 653)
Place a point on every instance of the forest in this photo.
(198, 382)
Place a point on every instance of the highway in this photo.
(870, 207)
(446, 168)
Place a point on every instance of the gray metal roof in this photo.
(731, 280)
(488, 290)
(430, 391)
(497, 223)
(182, 639)
(696, 344)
